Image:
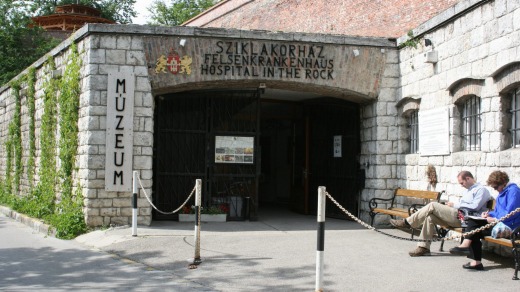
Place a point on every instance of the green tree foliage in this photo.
(178, 12)
(21, 45)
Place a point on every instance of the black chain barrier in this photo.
(436, 239)
(163, 212)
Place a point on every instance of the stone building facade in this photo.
(476, 54)
(466, 58)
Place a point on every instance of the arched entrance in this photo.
(302, 132)
(254, 150)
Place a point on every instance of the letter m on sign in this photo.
(118, 177)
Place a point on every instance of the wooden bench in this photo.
(389, 206)
(513, 242)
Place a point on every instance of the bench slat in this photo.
(455, 229)
(501, 241)
(400, 212)
(418, 194)
(393, 211)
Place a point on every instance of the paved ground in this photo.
(31, 261)
(278, 253)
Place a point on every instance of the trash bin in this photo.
(235, 206)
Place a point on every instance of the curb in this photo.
(36, 224)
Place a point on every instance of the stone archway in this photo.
(281, 69)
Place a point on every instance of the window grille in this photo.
(471, 120)
(413, 125)
(515, 112)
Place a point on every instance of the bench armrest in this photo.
(372, 204)
(515, 236)
(414, 208)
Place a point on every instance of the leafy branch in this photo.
(411, 42)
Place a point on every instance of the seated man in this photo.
(475, 199)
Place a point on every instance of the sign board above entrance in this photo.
(252, 59)
(237, 58)
(205, 62)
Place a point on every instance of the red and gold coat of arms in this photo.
(173, 63)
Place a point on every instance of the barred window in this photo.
(515, 113)
(413, 125)
(471, 120)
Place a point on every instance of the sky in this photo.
(142, 12)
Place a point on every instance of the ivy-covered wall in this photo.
(53, 133)
(40, 145)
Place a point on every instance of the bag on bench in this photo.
(501, 231)
(463, 215)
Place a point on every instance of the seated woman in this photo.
(508, 200)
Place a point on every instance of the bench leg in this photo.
(441, 232)
(515, 236)
(372, 215)
(516, 256)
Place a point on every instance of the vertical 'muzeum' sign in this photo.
(120, 121)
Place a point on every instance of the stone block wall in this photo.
(104, 54)
(364, 66)
(380, 138)
(7, 113)
(476, 44)
(100, 54)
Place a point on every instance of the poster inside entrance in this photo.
(234, 149)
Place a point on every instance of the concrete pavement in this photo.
(278, 253)
(32, 261)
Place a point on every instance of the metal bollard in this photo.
(321, 239)
(198, 191)
(134, 204)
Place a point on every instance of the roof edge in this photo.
(440, 19)
(226, 6)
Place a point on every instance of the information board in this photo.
(434, 132)
(234, 149)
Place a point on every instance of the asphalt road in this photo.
(31, 261)
(275, 253)
(278, 253)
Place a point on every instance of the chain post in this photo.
(321, 239)
(134, 204)
(198, 195)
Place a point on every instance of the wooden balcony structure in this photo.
(70, 18)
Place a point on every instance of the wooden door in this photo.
(332, 145)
